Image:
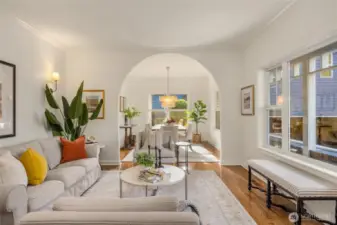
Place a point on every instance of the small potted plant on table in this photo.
(144, 159)
(197, 115)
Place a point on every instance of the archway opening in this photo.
(189, 81)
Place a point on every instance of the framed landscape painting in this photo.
(247, 101)
(7, 99)
(92, 98)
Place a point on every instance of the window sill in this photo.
(302, 162)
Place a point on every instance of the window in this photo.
(158, 114)
(274, 111)
(297, 102)
(309, 88)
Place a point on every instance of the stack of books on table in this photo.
(152, 175)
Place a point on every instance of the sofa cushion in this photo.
(89, 164)
(111, 204)
(11, 170)
(44, 194)
(18, 150)
(68, 175)
(36, 166)
(52, 149)
(73, 150)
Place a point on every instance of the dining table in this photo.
(158, 126)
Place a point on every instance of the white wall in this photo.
(105, 69)
(35, 61)
(138, 90)
(214, 134)
(304, 27)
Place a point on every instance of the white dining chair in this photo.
(186, 135)
(166, 137)
(145, 142)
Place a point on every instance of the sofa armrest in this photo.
(107, 218)
(14, 199)
(106, 204)
(92, 150)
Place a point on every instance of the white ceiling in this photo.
(144, 23)
(180, 66)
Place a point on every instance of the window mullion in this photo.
(285, 107)
(311, 113)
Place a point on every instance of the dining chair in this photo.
(165, 139)
(186, 135)
(145, 142)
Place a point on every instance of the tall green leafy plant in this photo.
(75, 116)
(198, 114)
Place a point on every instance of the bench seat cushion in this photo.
(296, 181)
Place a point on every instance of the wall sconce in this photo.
(280, 100)
(55, 79)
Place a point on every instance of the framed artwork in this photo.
(7, 100)
(92, 98)
(247, 101)
(122, 103)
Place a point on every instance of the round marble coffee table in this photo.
(130, 176)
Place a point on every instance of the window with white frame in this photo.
(311, 106)
(158, 113)
(274, 109)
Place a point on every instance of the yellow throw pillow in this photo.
(36, 166)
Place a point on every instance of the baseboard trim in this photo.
(109, 162)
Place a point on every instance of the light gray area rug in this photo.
(216, 203)
(198, 154)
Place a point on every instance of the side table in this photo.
(187, 145)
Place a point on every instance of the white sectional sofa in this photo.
(68, 179)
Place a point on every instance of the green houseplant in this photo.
(145, 159)
(74, 116)
(197, 115)
(130, 113)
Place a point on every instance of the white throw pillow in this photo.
(12, 170)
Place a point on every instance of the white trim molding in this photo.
(313, 166)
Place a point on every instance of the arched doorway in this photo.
(189, 80)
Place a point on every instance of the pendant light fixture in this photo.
(168, 101)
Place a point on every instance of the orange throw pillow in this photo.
(73, 150)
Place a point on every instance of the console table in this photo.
(127, 141)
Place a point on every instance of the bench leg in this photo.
(268, 203)
(249, 178)
(274, 188)
(299, 207)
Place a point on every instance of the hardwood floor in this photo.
(236, 179)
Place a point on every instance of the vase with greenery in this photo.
(145, 159)
(130, 113)
(71, 120)
(197, 115)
